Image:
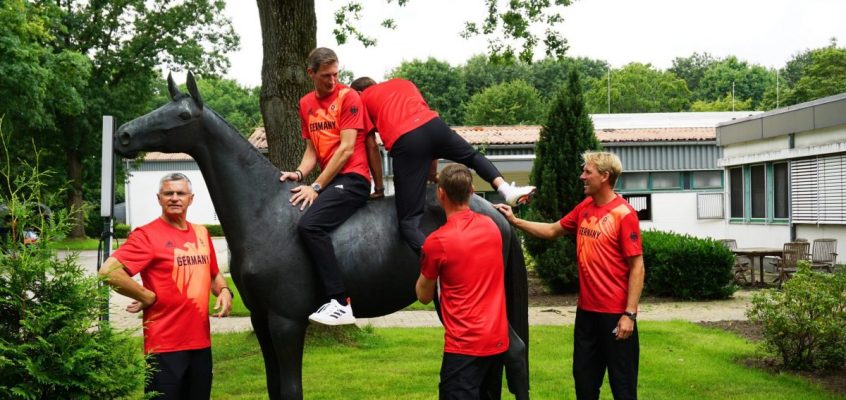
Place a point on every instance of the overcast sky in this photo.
(765, 32)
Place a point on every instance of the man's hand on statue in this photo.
(505, 209)
(289, 176)
(303, 194)
(378, 193)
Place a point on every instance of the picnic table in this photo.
(759, 252)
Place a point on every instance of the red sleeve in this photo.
(433, 258)
(630, 238)
(353, 113)
(136, 253)
(303, 119)
(571, 221)
(212, 257)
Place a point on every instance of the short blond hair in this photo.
(605, 162)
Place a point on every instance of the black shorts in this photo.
(470, 378)
(181, 375)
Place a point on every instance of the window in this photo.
(818, 194)
(634, 181)
(736, 182)
(780, 183)
(709, 206)
(707, 179)
(642, 203)
(666, 180)
(758, 190)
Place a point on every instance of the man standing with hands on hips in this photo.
(611, 273)
(178, 267)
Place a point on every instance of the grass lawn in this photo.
(679, 360)
(80, 244)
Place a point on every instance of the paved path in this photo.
(732, 309)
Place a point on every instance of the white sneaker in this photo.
(333, 313)
(515, 195)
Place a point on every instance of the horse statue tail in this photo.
(517, 308)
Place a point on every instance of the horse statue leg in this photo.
(282, 341)
(517, 306)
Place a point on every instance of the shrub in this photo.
(803, 323)
(686, 267)
(215, 230)
(51, 346)
(122, 231)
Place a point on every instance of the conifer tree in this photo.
(567, 133)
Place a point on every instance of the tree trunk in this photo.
(289, 32)
(75, 195)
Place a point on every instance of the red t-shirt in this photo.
(396, 107)
(605, 236)
(178, 266)
(324, 118)
(466, 254)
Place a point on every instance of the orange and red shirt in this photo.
(605, 237)
(323, 119)
(396, 108)
(178, 266)
(466, 254)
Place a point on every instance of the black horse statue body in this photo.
(269, 263)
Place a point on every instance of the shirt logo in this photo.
(332, 107)
(633, 237)
(354, 110)
(169, 245)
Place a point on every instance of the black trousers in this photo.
(181, 375)
(595, 349)
(335, 204)
(412, 156)
(470, 378)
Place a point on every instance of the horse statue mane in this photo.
(269, 264)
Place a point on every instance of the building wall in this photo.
(838, 232)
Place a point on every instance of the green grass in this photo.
(238, 307)
(79, 244)
(679, 360)
(418, 306)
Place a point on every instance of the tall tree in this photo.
(692, 68)
(638, 88)
(733, 76)
(510, 103)
(823, 76)
(106, 54)
(441, 85)
(289, 31)
(567, 133)
(550, 74)
(480, 72)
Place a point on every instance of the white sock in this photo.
(504, 189)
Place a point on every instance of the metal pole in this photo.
(107, 202)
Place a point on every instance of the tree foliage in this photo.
(51, 346)
(511, 103)
(442, 86)
(726, 103)
(821, 77)
(639, 88)
(691, 69)
(567, 133)
(85, 59)
(731, 75)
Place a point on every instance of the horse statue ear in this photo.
(171, 87)
(192, 89)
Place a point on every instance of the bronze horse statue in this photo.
(269, 263)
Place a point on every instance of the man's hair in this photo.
(174, 176)
(456, 180)
(605, 162)
(320, 56)
(362, 83)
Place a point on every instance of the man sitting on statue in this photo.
(335, 127)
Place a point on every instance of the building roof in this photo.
(609, 128)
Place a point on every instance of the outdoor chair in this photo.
(742, 264)
(824, 254)
(788, 262)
